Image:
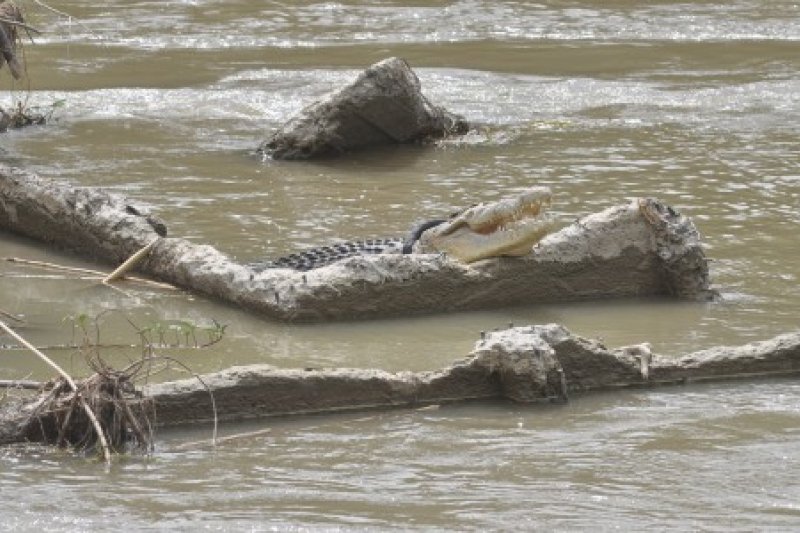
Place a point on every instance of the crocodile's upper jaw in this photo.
(510, 226)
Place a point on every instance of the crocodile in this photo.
(506, 227)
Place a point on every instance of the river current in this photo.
(696, 103)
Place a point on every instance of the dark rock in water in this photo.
(384, 105)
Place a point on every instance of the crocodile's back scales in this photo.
(325, 255)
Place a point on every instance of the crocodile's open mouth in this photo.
(507, 227)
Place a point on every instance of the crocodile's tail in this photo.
(321, 256)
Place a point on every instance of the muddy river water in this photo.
(696, 103)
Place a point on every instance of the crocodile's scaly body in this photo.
(321, 256)
(507, 227)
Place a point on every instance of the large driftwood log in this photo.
(384, 105)
(638, 249)
(524, 364)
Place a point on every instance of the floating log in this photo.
(528, 364)
(641, 248)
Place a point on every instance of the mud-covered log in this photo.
(89, 221)
(384, 105)
(528, 364)
(642, 248)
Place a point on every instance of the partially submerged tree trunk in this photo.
(18, 115)
(9, 15)
(642, 248)
(525, 364)
(384, 105)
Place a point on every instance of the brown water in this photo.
(695, 103)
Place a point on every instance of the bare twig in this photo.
(42, 356)
(70, 347)
(69, 17)
(53, 276)
(130, 263)
(11, 316)
(221, 440)
(22, 25)
(96, 423)
(98, 273)
(44, 264)
(52, 9)
(20, 384)
(205, 385)
(63, 430)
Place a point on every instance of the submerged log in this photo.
(384, 105)
(642, 248)
(528, 364)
